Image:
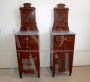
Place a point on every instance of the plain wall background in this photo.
(79, 22)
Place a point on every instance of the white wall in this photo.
(79, 18)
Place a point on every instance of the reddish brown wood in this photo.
(28, 19)
(62, 45)
(60, 18)
(27, 45)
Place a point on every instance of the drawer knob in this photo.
(35, 58)
(56, 56)
(65, 39)
(26, 38)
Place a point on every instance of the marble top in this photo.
(27, 33)
(62, 33)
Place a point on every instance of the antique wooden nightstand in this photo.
(27, 42)
(62, 42)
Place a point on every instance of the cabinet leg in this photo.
(20, 75)
(53, 73)
(53, 70)
(50, 68)
(69, 74)
(38, 75)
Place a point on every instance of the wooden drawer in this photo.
(69, 43)
(65, 42)
(58, 42)
(33, 42)
(69, 37)
(21, 42)
(27, 42)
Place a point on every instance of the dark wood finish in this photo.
(62, 42)
(27, 42)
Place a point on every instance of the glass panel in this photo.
(28, 63)
(24, 61)
(66, 61)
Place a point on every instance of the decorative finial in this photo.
(27, 4)
(61, 5)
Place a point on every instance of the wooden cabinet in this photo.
(62, 42)
(27, 42)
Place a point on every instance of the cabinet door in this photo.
(37, 61)
(28, 21)
(60, 61)
(69, 42)
(26, 62)
(61, 17)
(58, 43)
(33, 43)
(21, 42)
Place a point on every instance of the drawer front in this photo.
(65, 42)
(21, 42)
(58, 42)
(69, 37)
(69, 42)
(27, 42)
(33, 42)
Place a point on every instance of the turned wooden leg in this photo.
(38, 75)
(53, 68)
(53, 71)
(69, 74)
(20, 75)
(53, 74)
(50, 68)
(70, 63)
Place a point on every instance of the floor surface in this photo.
(80, 74)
